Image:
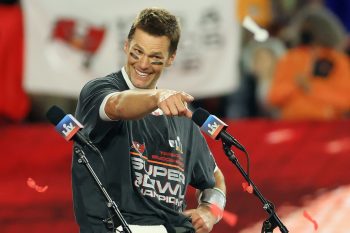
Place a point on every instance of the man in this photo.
(152, 149)
(312, 79)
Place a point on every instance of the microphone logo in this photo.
(68, 127)
(213, 126)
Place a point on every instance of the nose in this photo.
(144, 62)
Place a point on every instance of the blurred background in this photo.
(277, 71)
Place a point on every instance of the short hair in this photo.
(158, 22)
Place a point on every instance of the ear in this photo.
(126, 46)
(170, 60)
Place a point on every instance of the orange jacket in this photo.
(300, 94)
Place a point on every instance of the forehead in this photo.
(150, 43)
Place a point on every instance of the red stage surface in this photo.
(302, 167)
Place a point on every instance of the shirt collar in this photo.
(127, 80)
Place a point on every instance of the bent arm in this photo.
(131, 104)
(135, 104)
(206, 215)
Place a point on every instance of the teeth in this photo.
(141, 73)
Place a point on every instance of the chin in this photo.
(140, 85)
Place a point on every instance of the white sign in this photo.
(71, 42)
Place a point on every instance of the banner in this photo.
(14, 103)
(71, 42)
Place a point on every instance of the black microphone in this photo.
(214, 127)
(68, 127)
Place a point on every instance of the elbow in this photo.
(118, 108)
(113, 109)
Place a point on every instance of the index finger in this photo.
(188, 113)
(187, 97)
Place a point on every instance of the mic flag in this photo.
(68, 127)
(214, 127)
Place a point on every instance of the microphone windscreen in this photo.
(199, 116)
(55, 114)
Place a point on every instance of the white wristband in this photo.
(214, 197)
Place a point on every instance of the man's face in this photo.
(147, 56)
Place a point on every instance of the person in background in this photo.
(312, 80)
(151, 148)
(258, 67)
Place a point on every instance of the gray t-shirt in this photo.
(149, 163)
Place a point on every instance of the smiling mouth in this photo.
(141, 74)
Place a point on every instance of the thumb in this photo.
(188, 213)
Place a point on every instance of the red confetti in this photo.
(308, 216)
(215, 210)
(247, 188)
(31, 184)
(230, 218)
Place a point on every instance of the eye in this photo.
(160, 63)
(156, 60)
(134, 55)
(138, 51)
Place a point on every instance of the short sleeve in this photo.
(87, 112)
(202, 176)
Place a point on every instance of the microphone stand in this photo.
(273, 220)
(110, 203)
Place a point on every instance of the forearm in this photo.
(131, 104)
(135, 104)
(214, 199)
(211, 207)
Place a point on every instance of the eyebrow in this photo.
(152, 54)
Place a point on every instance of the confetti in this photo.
(247, 188)
(308, 216)
(230, 218)
(31, 184)
(215, 210)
